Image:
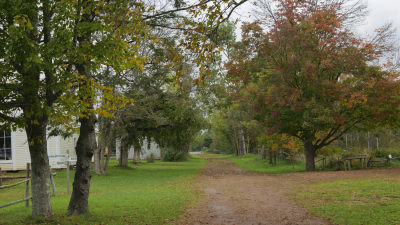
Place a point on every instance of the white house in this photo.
(154, 148)
(14, 151)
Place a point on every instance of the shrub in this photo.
(355, 152)
(384, 152)
(171, 154)
(150, 158)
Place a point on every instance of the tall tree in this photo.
(318, 80)
(35, 42)
(105, 34)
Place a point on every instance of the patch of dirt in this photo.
(234, 196)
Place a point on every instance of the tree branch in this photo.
(174, 10)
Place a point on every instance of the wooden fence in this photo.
(26, 182)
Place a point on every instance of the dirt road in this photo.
(233, 196)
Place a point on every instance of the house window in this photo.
(5, 145)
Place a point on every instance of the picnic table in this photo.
(347, 160)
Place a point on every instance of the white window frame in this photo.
(4, 149)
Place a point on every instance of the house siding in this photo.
(22, 156)
(67, 148)
(146, 150)
(58, 150)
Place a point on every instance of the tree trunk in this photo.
(241, 143)
(248, 143)
(262, 152)
(236, 138)
(97, 164)
(105, 132)
(106, 140)
(102, 152)
(41, 204)
(107, 160)
(270, 156)
(136, 153)
(84, 151)
(123, 154)
(99, 156)
(309, 150)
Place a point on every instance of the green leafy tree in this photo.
(35, 49)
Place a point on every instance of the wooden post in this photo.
(349, 164)
(67, 177)
(344, 164)
(337, 164)
(53, 185)
(28, 168)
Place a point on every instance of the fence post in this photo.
(53, 185)
(28, 168)
(67, 177)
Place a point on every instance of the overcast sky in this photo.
(380, 13)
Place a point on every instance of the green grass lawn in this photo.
(353, 201)
(150, 193)
(253, 163)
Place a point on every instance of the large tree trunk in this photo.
(41, 204)
(84, 151)
(309, 151)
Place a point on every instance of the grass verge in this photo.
(253, 163)
(150, 193)
(353, 201)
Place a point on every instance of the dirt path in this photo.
(233, 196)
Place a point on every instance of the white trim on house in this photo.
(13, 150)
(7, 164)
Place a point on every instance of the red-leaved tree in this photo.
(316, 79)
